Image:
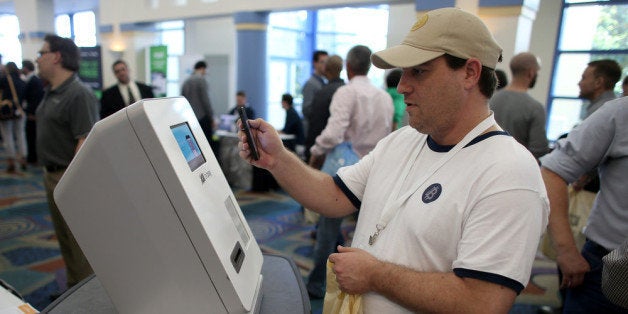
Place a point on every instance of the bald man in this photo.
(516, 111)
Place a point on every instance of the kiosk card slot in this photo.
(237, 257)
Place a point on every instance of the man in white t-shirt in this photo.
(451, 207)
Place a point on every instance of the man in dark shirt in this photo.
(196, 90)
(33, 94)
(312, 85)
(321, 102)
(124, 93)
(64, 118)
(241, 102)
(293, 124)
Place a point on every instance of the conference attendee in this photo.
(360, 115)
(600, 141)
(516, 111)
(597, 84)
(64, 119)
(196, 90)
(318, 121)
(242, 102)
(33, 94)
(444, 225)
(322, 100)
(13, 117)
(596, 88)
(293, 124)
(124, 93)
(313, 84)
(392, 80)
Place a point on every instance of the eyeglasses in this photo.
(41, 53)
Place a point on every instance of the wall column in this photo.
(36, 20)
(251, 71)
(511, 23)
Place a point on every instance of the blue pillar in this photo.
(251, 50)
(503, 3)
(428, 5)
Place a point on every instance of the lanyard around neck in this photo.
(394, 203)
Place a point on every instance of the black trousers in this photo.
(31, 141)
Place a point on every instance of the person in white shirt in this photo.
(451, 208)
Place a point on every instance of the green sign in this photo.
(159, 69)
(90, 68)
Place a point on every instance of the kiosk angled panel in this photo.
(160, 226)
(202, 197)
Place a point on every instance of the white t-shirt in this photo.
(480, 215)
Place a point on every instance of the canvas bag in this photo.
(10, 109)
(338, 302)
(580, 204)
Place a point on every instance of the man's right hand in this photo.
(268, 143)
(573, 266)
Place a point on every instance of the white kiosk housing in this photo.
(152, 211)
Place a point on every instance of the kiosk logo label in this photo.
(205, 175)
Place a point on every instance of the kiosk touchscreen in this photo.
(149, 205)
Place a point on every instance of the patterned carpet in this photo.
(30, 260)
(29, 254)
(31, 263)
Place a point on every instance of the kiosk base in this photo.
(282, 291)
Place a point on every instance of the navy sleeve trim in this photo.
(343, 187)
(490, 277)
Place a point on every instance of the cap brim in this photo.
(403, 56)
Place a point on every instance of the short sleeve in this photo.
(355, 177)
(83, 113)
(585, 147)
(500, 237)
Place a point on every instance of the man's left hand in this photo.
(317, 161)
(353, 268)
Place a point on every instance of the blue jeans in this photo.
(327, 237)
(328, 232)
(588, 298)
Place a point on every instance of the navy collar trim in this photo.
(446, 148)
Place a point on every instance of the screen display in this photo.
(188, 145)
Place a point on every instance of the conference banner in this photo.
(158, 58)
(90, 68)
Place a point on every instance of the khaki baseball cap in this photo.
(443, 31)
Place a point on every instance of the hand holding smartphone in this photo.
(247, 130)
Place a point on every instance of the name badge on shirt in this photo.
(432, 193)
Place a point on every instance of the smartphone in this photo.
(249, 136)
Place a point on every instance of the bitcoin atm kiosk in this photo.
(150, 207)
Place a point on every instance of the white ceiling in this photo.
(61, 6)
